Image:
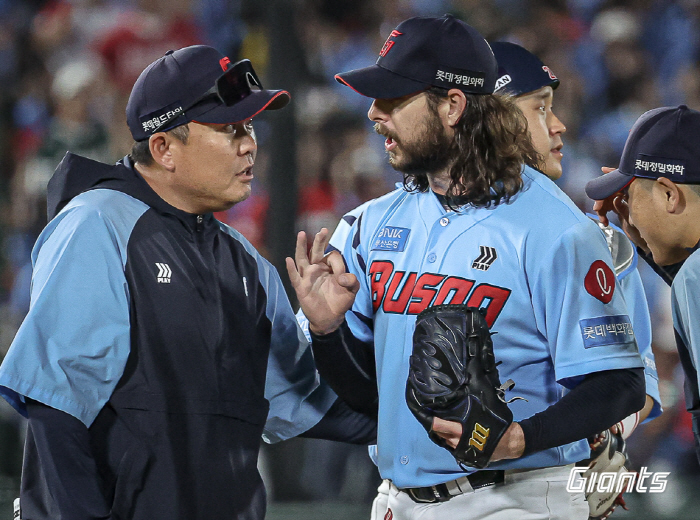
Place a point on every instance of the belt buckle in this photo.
(485, 478)
(437, 496)
(418, 499)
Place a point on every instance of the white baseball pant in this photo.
(537, 494)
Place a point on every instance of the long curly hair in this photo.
(490, 145)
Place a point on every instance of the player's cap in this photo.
(662, 143)
(423, 52)
(520, 71)
(199, 84)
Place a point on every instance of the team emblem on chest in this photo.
(396, 291)
(487, 257)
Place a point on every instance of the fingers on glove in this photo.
(450, 431)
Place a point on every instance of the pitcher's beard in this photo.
(431, 150)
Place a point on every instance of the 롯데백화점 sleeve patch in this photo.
(606, 330)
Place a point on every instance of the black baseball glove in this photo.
(453, 376)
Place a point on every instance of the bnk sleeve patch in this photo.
(606, 330)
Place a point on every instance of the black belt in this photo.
(441, 492)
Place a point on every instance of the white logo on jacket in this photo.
(164, 273)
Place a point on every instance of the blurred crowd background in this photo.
(67, 66)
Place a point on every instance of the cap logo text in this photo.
(460, 79)
(551, 74)
(389, 43)
(646, 165)
(153, 121)
(503, 81)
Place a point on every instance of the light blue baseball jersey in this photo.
(625, 259)
(685, 306)
(536, 265)
(630, 282)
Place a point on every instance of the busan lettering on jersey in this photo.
(402, 292)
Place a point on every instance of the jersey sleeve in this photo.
(71, 349)
(635, 298)
(359, 317)
(578, 305)
(298, 398)
(343, 229)
(685, 304)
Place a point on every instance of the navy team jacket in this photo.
(167, 335)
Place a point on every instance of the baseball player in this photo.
(473, 226)
(532, 83)
(523, 75)
(655, 192)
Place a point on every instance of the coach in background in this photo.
(655, 192)
(159, 345)
(473, 225)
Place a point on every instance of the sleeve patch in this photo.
(600, 281)
(606, 330)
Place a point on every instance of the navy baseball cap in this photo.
(520, 71)
(423, 52)
(662, 143)
(199, 84)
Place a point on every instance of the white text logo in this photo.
(164, 273)
(609, 481)
(503, 81)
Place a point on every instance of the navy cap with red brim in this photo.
(247, 108)
(661, 143)
(609, 184)
(215, 112)
(425, 51)
(379, 83)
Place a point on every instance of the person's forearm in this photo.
(345, 425)
(60, 477)
(597, 403)
(626, 426)
(348, 366)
